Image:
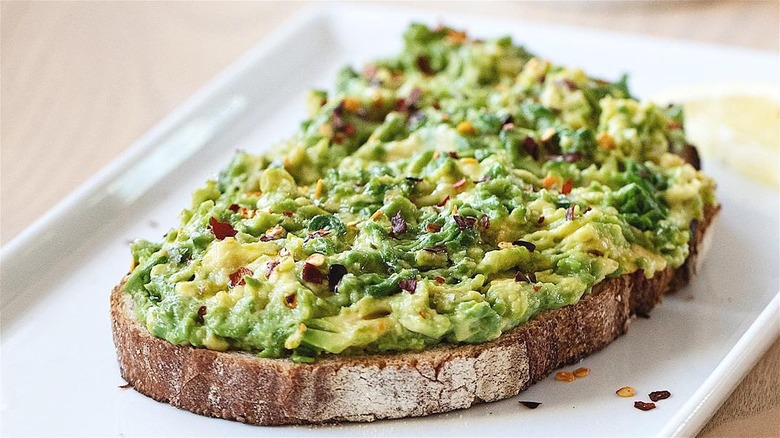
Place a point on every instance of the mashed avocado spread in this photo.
(445, 195)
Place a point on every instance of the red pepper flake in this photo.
(408, 285)
(312, 274)
(549, 181)
(336, 120)
(568, 83)
(352, 104)
(464, 222)
(125, 386)
(399, 225)
(288, 213)
(526, 277)
(443, 201)
(410, 103)
(439, 280)
(531, 147)
(335, 273)
(414, 96)
(564, 376)
(581, 372)
(484, 221)
(436, 249)
(642, 406)
(234, 208)
(527, 245)
(540, 220)
(659, 395)
(316, 234)
(221, 230)
(572, 157)
(674, 125)
(349, 129)
(339, 109)
(570, 213)
(413, 99)
(456, 36)
(237, 278)
(271, 265)
(459, 184)
(369, 71)
(530, 404)
(201, 314)
(433, 227)
(566, 189)
(339, 137)
(537, 287)
(423, 63)
(291, 300)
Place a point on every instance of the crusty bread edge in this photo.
(240, 386)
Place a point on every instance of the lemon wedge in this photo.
(734, 123)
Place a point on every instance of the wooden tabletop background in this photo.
(80, 81)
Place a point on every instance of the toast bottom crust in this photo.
(242, 387)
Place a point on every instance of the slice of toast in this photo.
(240, 386)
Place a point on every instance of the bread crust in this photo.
(242, 387)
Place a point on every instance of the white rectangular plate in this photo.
(59, 372)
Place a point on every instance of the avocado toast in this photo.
(447, 227)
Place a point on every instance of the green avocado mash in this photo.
(445, 195)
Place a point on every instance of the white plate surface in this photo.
(59, 372)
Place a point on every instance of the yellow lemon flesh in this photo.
(734, 123)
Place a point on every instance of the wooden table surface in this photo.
(81, 81)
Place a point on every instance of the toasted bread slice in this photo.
(240, 386)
